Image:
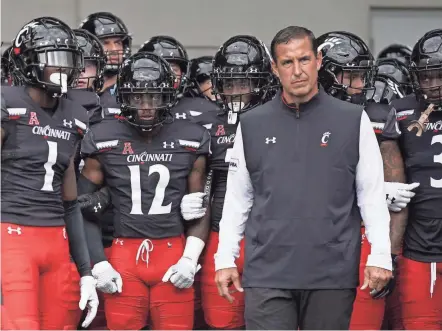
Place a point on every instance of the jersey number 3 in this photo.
(157, 207)
(437, 183)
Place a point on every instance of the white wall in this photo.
(202, 25)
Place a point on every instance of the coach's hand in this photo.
(376, 278)
(108, 280)
(225, 278)
(88, 298)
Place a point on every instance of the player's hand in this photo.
(88, 298)
(376, 278)
(389, 288)
(192, 206)
(93, 204)
(182, 274)
(398, 195)
(226, 277)
(108, 280)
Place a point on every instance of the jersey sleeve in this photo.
(391, 128)
(88, 145)
(204, 148)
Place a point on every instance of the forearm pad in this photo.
(77, 239)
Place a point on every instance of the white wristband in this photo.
(193, 249)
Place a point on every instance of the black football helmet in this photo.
(199, 71)
(346, 56)
(145, 78)
(47, 43)
(106, 25)
(93, 54)
(426, 68)
(395, 74)
(244, 59)
(6, 75)
(172, 51)
(396, 51)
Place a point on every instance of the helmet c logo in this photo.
(23, 32)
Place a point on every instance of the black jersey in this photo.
(35, 155)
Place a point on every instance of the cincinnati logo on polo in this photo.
(149, 157)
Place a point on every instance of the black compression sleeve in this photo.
(94, 242)
(92, 229)
(77, 238)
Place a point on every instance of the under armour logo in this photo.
(392, 200)
(97, 207)
(67, 124)
(178, 116)
(166, 145)
(272, 140)
(119, 241)
(11, 230)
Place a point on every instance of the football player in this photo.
(175, 54)
(39, 135)
(149, 162)
(347, 72)
(198, 83)
(421, 142)
(241, 80)
(399, 52)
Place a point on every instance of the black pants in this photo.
(275, 309)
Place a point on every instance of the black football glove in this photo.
(389, 288)
(94, 204)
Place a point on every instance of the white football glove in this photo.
(88, 298)
(192, 206)
(183, 272)
(108, 280)
(399, 195)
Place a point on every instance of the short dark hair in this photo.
(293, 32)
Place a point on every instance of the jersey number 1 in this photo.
(157, 207)
(49, 175)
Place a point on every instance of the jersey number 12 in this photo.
(157, 207)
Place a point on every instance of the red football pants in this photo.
(218, 312)
(368, 313)
(142, 265)
(420, 310)
(36, 278)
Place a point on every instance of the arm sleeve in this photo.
(371, 197)
(77, 240)
(237, 205)
(91, 228)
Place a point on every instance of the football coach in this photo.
(304, 171)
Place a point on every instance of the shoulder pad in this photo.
(110, 112)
